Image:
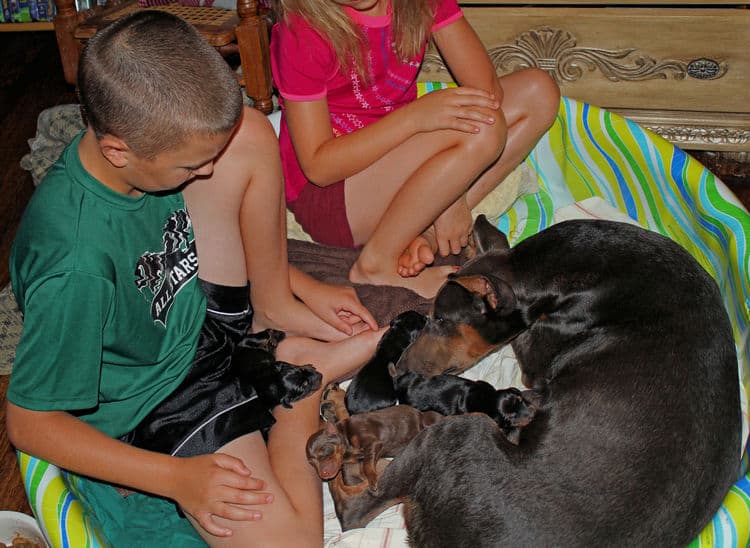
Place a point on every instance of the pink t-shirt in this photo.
(305, 68)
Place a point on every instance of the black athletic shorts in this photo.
(211, 407)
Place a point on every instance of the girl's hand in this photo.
(339, 307)
(452, 228)
(214, 485)
(461, 109)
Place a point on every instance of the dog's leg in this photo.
(369, 464)
(356, 505)
(393, 485)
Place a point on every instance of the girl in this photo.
(365, 161)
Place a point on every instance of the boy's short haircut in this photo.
(153, 81)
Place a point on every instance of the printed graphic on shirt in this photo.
(164, 273)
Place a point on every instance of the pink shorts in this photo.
(321, 211)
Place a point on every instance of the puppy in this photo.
(372, 387)
(332, 407)
(451, 395)
(365, 438)
(638, 438)
(275, 382)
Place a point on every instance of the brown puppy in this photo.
(365, 438)
(332, 406)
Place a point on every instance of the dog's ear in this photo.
(487, 237)
(330, 429)
(496, 293)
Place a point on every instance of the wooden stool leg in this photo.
(255, 55)
(70, 49)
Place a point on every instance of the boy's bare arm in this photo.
(273, 283)
(205, 485)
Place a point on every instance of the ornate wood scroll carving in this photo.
(557, 52)
(685, 135)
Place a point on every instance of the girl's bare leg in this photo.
(530, 104)
(425, 175)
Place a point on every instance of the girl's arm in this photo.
(466, 57)
(326, 159)
(204, 485)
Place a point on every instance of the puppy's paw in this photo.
(332, 407)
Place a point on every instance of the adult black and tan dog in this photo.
(637, 439)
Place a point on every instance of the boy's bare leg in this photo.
(295, 517)
(239, 220)
(530, 105)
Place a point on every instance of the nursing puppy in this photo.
(372, 386)
(637, 439)
(365, 438)
(448, 394)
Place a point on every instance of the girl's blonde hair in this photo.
(411, 22)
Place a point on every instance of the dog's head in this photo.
(297, 382)
(473, 314)
(325, 451)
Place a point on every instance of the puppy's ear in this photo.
(487, 237)
(330, 429)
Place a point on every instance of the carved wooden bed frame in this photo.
(676, 67)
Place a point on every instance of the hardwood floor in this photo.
(31, 80)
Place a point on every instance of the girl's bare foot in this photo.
(415, 258)
(419, 254)
(426, 284)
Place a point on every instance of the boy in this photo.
(124, 373)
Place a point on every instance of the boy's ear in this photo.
(115, 150)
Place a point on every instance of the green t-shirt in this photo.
(112, 306)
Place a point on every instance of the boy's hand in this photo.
(214, 485)
(461, 109)
(452, 228)
(340, 307)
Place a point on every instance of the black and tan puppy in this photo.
(276, 382)
(365, 438)
(451, 395)
(638, 438)
(372, 386)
